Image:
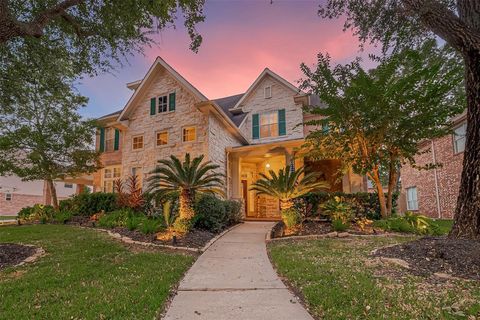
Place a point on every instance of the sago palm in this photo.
(185, 178)
(288, 185)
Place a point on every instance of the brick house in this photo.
(244, 134)
(16, 194)
(434, 192)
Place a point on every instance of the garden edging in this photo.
(39, 252)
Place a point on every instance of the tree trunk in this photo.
(284, 205)
(467, 213)
(392, 181)
(186, 204)
(53, 193)
(374, 175)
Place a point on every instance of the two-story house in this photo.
(244, 134)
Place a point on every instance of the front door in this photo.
(245, 196)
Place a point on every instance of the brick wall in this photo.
(448, 177)
(18, 202)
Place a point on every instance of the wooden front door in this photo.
(245, 196)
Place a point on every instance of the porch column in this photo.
(235, 162)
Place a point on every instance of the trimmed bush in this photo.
(291, 217)
(115, 219)
(87, 204)
(363, 204)
(62, 216)
(214, 214)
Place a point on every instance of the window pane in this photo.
(108, 173)
(162, 138)
(189, 134)
(162, 104)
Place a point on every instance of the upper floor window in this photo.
(8, 197)
(68, 185)
(412, 198)
(162, 138)
(110, 174)
(162, 104)
(189, 134)
(137, 142)
(269, 124)
(109, 139)
(267, 91)
(459, 137)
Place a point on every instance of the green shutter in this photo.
(282, 124)
(171, 101)
(102, 140)
(117, 140)
(153, 106)
(255, 126)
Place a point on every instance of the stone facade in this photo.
(446, 185)
(282, 98)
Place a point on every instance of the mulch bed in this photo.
(12, 254)
(426, 256)
(193, 239)
(319, 227)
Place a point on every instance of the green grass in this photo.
(85, 275)
(8, 217)
(338, 281)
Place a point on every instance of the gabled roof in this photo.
(264, 73)
(227, 103)
(116, 113)
(159, 63)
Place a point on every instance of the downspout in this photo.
(437, 195)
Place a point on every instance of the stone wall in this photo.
(282, 98)
(448, 177)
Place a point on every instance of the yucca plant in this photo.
(288, 185)
(186, 178)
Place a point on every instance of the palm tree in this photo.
(288, 185)
(186, 179)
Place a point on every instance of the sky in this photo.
(240, 39)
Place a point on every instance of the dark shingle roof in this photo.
(111, 114)
(227, 103)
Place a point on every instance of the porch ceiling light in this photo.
(267, 165)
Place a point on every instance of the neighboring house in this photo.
(16, 194)
(434, 192)
(244, 134)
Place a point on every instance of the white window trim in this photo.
(454, 140)
(143, 142)
(409, 207)
(196, 134)
(168, 138)
(8, 195)
(168, 102)
(265, 92)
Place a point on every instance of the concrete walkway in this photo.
(234, 279)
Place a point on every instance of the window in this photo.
(138, 172)
(8, 197)
(267, 91)
(110, 174)
(137, 143)
(412, 200)
(162, 138)
(68, 185)
(162, 104)
(109, 139)
(269, 124)
(459, 137)
(189, 134)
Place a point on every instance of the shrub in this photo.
(338, 210)
(133, 222)
(410, 223)
(340, 225)
(291, 217)
(363, 204)
(149, 226)
(62, 216)
(39, 212)
(25, 213)
(233, 210)
(87, 204)
(182, 225)
(115, 219)
(210, 213)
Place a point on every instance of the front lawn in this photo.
(86, 275)
(339, 281)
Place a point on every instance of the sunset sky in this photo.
(240, 39)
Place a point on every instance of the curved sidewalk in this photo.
(234, 279)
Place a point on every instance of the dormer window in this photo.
(162, 104)
(267, 91)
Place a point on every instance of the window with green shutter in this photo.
(116, 143)
(282, 123)
(101, 148)
(153, 106)
(171, 101)
(255, 126)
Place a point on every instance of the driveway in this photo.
(234, 279)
